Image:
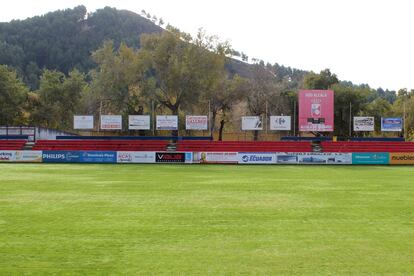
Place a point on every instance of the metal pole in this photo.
(405, 126)
(350, 119)
(266, 126)
(153, 118)
(294, 118)
(209, 118)
(100, 114)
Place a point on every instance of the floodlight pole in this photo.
(209, 118)
(294, 118)
(153, 118)
(266, 126)
(405, 125)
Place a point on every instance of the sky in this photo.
(363, 41)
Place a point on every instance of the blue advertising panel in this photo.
(370, 158)
(391, 124)
(52, 156)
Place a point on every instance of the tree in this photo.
(57, 99)
(179, 68)
(324, 80)
(13, 94)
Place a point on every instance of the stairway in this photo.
(172, 146)
(29, 145)
(316, 146)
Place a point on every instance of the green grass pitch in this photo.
(214, 219)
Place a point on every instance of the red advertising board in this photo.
(316, 110)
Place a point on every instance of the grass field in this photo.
(217, 220)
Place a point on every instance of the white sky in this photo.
(364, 41)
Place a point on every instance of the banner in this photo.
(167, 122)
(316, 110)
(368, 158)
(82, 122)
(324, 158)
(193, 122)
(364, 123)
(135, 157)
(218, 157)
(402, 158)
(21, 156)
(280, 123)
(170, 157)
(391, 124)
(252, 123)
(256, 158)
(79, 156)
(111, 122)
(139, 122)
(286, 158)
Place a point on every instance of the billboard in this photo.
(316, 110)
(256, 158)
(167, 122)
(20, 156)
(111, 122)
(193, 122)
(286, 158)
(82, 122)
(170, 157)
(402, 158)
(252, 123)
(324, 158)
(135, 157)
(364, 123)
(217, 157)
(391, 124)
(280, 123)
(370, 158)
(79, 156)
(139, 122)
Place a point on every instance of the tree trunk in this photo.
(213, 122)
(256, 135)
(222, 122)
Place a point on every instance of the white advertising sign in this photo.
(280, 123)
(218, 157)
(139, 122)
(256, 158)
(252, 123)
(21, 156)
(167, 122)
(82, 122)
(324, 158)
(364, 123)
(193, 122)
(111, 122)
(135, 157)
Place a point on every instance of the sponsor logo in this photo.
(252, 158)
(6, 156)
(56, 156)
(166, 157)
(401, 158)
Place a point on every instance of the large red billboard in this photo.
(316, 110)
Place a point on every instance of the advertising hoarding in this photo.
(135, 157)
(21, 156)
(195, 122)
(82, 122)
(167, 122)
(364, 123)
(324, 158)
(391, 124)
(370, 158)
(218, 157)
(139, 122)
(280, 123)
(79, 156)
(256, 158)
(316, 110)
(252, 123)
(170, 157)
(402, 158)
(111, 122)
